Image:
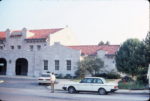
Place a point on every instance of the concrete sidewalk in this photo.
(124, 91)
(61, 83)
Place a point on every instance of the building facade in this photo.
(33, 52)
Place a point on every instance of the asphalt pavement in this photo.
(27, 89)
(62, 82)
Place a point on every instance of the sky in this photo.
(91, 21)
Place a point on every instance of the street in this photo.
(27, 89)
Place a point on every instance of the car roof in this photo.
(95, 77)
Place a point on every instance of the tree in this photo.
(81, 72)
(147, 45)
(90, 65)
(130, 58)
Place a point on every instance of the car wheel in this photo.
(102, 91)
(71, 90)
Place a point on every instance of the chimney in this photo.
(7, 32)
(24, 32)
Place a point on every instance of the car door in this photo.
(96, 84)
(85, 84)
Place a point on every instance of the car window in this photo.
(86, 80)
(89, 80)
(99, 81)
(83, 80)
(96, 80)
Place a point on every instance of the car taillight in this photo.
(40, 79)
(115, 87)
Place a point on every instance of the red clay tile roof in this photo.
(2, 35)
(43, 33)
(16, 33)
(38, 34)
(92, 49)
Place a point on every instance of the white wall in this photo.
(61, 53)
(109, 62)
(65, 37)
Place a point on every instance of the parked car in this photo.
(93, 84)
(44, 79)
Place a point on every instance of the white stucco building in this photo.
(33, 52)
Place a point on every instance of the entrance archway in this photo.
(3, 65)
(21, 66)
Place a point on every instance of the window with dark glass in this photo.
(68, 64)
(12, 47)
(31, 47)
(38, 47)
(19, 47)
(1, 47)
(45, 64)
(56, 64)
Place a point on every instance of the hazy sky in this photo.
(90, 20)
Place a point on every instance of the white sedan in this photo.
(93, 84)
(44, 79)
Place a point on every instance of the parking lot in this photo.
(27, 88)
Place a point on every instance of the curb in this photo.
(143, 92)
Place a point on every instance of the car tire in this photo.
(102, 91)
(71, 90)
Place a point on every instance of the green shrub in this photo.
(80, 73)
(123, 85)
(68, 76)
(113, 76)
(59, 76)
(108, 75)
(131, 85)
(126, 79)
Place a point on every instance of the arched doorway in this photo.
(3, 65)
(21, 66)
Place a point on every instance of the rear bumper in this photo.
(113, 90)
(42, 81)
